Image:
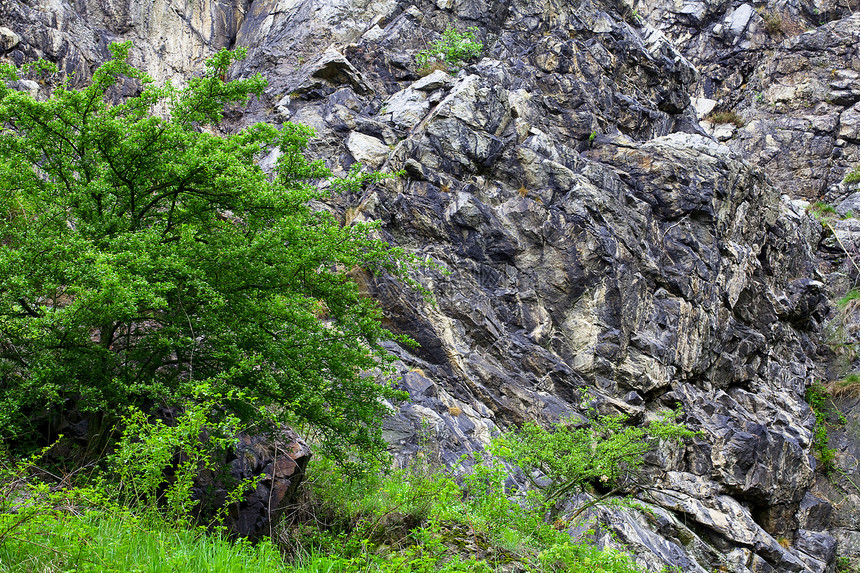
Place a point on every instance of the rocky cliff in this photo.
(606, 244)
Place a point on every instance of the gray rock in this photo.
(814, 513)
(8, 39)
(822, 546)
(366, 149)
(434, 81)
(603, 249)
(850, 204)
(406, 108)
(738, 19)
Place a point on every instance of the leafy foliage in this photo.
(421, 520)
(816, 397)
(573, 456)
(416, 519)
(157, 464)
(452, 50)
(144, 255)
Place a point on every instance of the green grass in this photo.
(415, 520)
(732, 117)
(852, 177)
(100, 542)
(817, 397)
(419, 520)
(852, 294)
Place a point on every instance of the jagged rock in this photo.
(603, 250)
(814, 513)
(8, 39)
(366, 149)
(434, 81)
(406, 108)
(821, 546)
(281, 463)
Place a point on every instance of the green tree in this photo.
(142, 255)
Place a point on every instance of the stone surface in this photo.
(367, 149)
(280, 464)
(8, 39)
(604, 249)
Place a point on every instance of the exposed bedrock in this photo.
(602, 250)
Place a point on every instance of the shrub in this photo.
(816, 397)
(572, 456)
(726, 117)
(772, 22)
(420, 520)
(451, 51)
(157, 464)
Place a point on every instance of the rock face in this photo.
(790, 72)
(279, 465)
(603, 249)
(170, 36)
(801, 111)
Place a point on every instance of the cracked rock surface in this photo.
(606, 247)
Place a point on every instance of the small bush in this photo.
(573, 456)
(726, 117)
(451, 51)
(772, 22)
(816, 397)
(421, 520)
(157, 464)
(852, 177)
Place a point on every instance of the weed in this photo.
(847, 386)
(852, 294)
(772, 22)
(817, 397)
(726, 117)
(823, 211)
(452, 50)
(853, 176)
(432, 67)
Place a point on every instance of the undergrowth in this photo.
(115, 540)
(419, 519)
(451, 51)
(817, 398)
